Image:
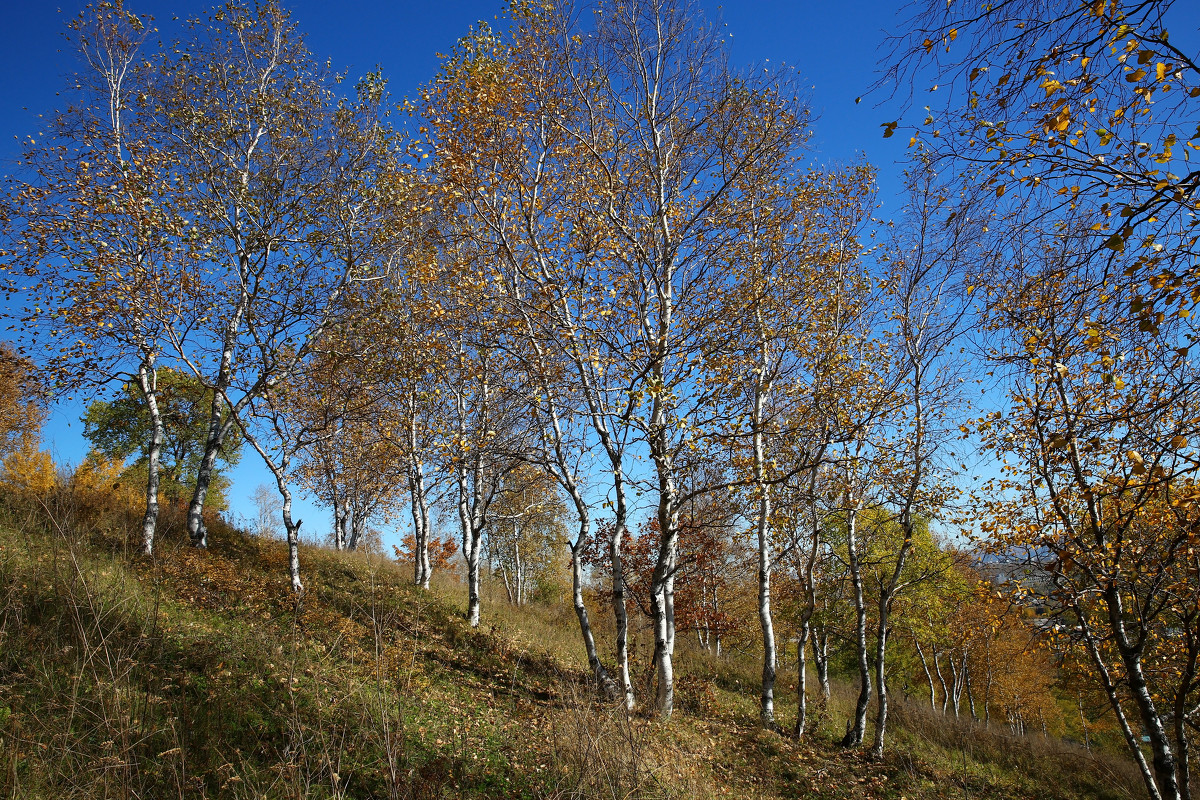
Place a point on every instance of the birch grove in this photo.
(598, 309)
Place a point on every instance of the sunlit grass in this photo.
(196, 674)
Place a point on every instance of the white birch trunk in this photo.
(767, 698)
(618, 592)
(937, 667)
(802, 680)
(856, 728)
(148, 381)
(218, 427)
(928, 675)
(762, 389)
(956, 685)
(603, 680)
(1163, 756)
(970, 694)
(662, 604)
(472, 538)
(339, 516)
(279, 470)
(881, 697)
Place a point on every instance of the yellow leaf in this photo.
(1051, 86)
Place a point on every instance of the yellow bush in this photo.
(99, 477)
(29, 470)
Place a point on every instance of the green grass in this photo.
(196, 675)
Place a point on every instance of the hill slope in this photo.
(196, 675)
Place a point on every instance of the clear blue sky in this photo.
(835, 46)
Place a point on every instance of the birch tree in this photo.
(519, 176)
(484, 428)
(288, 187)
(97, 238)
(352, 468)
(941, 239)
(1098, 431)
(675, 136)
(797, 299)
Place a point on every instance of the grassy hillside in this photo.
(196, 675)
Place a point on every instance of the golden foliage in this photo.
(28, 470)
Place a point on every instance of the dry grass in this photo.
(196, 676)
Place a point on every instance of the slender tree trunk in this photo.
(762, 389)
(619, 611)
(472, 508)
(279, 470)
(472, 555)
(197, 530)
(293, 538)
(218, 426)
(987, 681)
(667, 704)
(520, 572)
(420, 515)
(928, 675)
(472, 536)
(508, 589)
(148, 381)
(970, 694)
(956, 684)
(564, 474)
(419, 502)
(716, 634)
(607, 685)
(1135, 678)
(1114, 701)
(767, 698)
(802, 680)
(339, 514)
(821, 659)
(614, 449)
(937, 668)
(662, 602)
(1184, 689)
(881, 697)
(856, 729)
